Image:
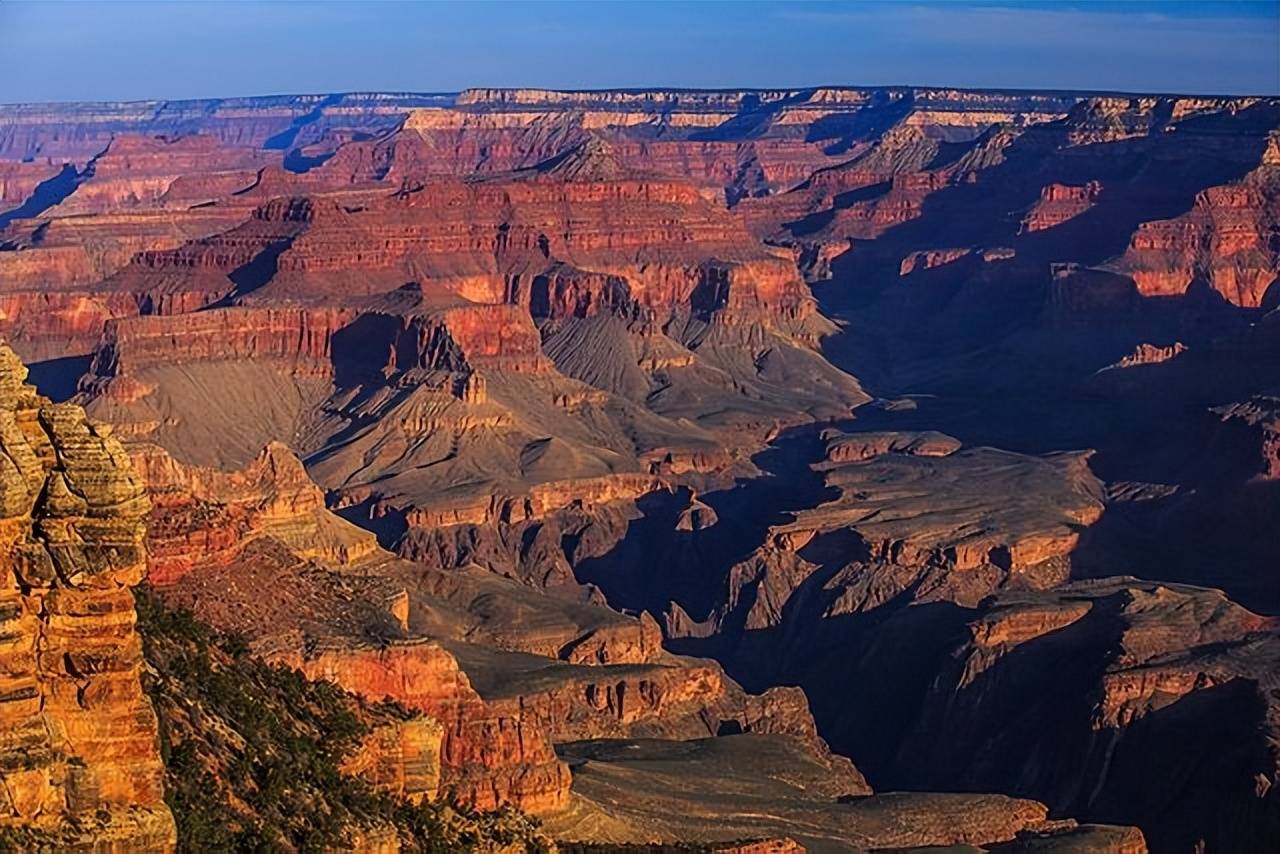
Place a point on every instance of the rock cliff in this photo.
(81, 762)
(1225, 241)
(1147, 675)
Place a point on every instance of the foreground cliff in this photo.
(80, 765)
(244, 753)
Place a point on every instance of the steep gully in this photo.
(48, 194)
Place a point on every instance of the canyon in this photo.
(839, 468)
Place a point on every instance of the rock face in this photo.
(900, 520)
(856, 447)
(77, 132)
(488, 758)
(341, 772)
(271, 498)
(266, 528)
(1135, 680)
(1059, 203)
(1261, 417)
(915, 519)
(555, 355)
(19, 180)
(80, 753)
(974, 630)
(1150, 354)
(1226, 240)
(157, 172)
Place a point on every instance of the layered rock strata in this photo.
(1145, 679)
(79, 760)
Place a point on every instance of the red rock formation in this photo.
(1226, 240)
(1059, 203)
(52, 291)
(1150, 354)
(697, 516)
(915, 521)
(301, 342)
(77, 132)
(51, 324)
(460, 236)
(65, 265)
(670, 256)
(19, 180)
(930, 258)
(205, 516)
(884, 186)
(488, 758)
(1115, 118)
(541, 500)
(951, 528)
(267, 522)
(218, 536)
(855, 447)
(759, 167)
(106, 242)
(401, 758)
(301, 337)
(137, 171)
(80, 743)
(1151, 664)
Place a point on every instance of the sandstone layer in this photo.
(81, 764)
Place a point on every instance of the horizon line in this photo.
(641, 89)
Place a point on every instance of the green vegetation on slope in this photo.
(252, 754)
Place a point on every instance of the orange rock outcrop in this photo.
(1225, 240)
(18, 180)
(203, 515)
(345, 611)
(270, 519)
(488, 757)
(136, 171)
(1059, 203)
(80, 751)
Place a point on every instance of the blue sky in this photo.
(131, 50)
